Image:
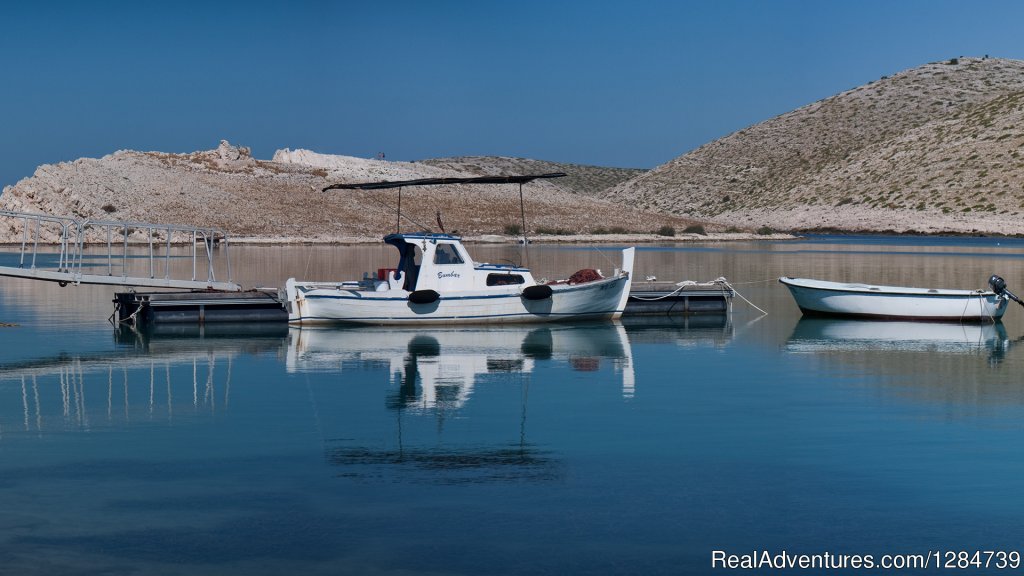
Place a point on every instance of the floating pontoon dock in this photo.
(205, 307)
(649, 299)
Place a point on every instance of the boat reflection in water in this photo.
(459, 400)
(436, 435)
(438, 368)
(822, 335)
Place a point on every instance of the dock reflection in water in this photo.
(704, 330)
(153, 373)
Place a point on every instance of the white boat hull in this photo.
(819, 297)
(601, 299)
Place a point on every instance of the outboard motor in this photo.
(999, 287)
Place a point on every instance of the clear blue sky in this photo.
(629, 83)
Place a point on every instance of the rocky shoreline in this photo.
(544, 239)
(712, 237)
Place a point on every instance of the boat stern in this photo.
(291, 301)
(628, 256)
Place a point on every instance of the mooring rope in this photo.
(981, 308)
(772, 279)
(737, 292)
(130, 318)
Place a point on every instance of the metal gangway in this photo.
(56, 249)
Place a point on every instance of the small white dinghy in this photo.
(821, 297)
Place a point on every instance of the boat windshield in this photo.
(446, 254)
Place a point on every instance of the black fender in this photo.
(538, 292)
(424, 297)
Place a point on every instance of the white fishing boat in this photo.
(821, 297)
(437, 282)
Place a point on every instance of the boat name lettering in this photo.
(448, 275)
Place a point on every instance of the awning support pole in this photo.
(522, 213)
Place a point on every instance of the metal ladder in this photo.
(72, 236)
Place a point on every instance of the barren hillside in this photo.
(932, 149)
(282, 199)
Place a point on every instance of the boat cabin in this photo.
(441, 263)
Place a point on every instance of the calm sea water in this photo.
(635, 448)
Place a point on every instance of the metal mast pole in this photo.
(522, 213)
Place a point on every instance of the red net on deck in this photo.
(585, 275)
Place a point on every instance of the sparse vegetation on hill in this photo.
(933, 149)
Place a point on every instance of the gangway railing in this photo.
(73, 237)
(192, 236)
(32, 230)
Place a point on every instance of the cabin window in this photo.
(504, 279)
(446, 254)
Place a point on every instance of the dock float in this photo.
(199, 307)
(210, 306)
(646, 300)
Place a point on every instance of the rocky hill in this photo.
(933, 149)
(281, 199)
